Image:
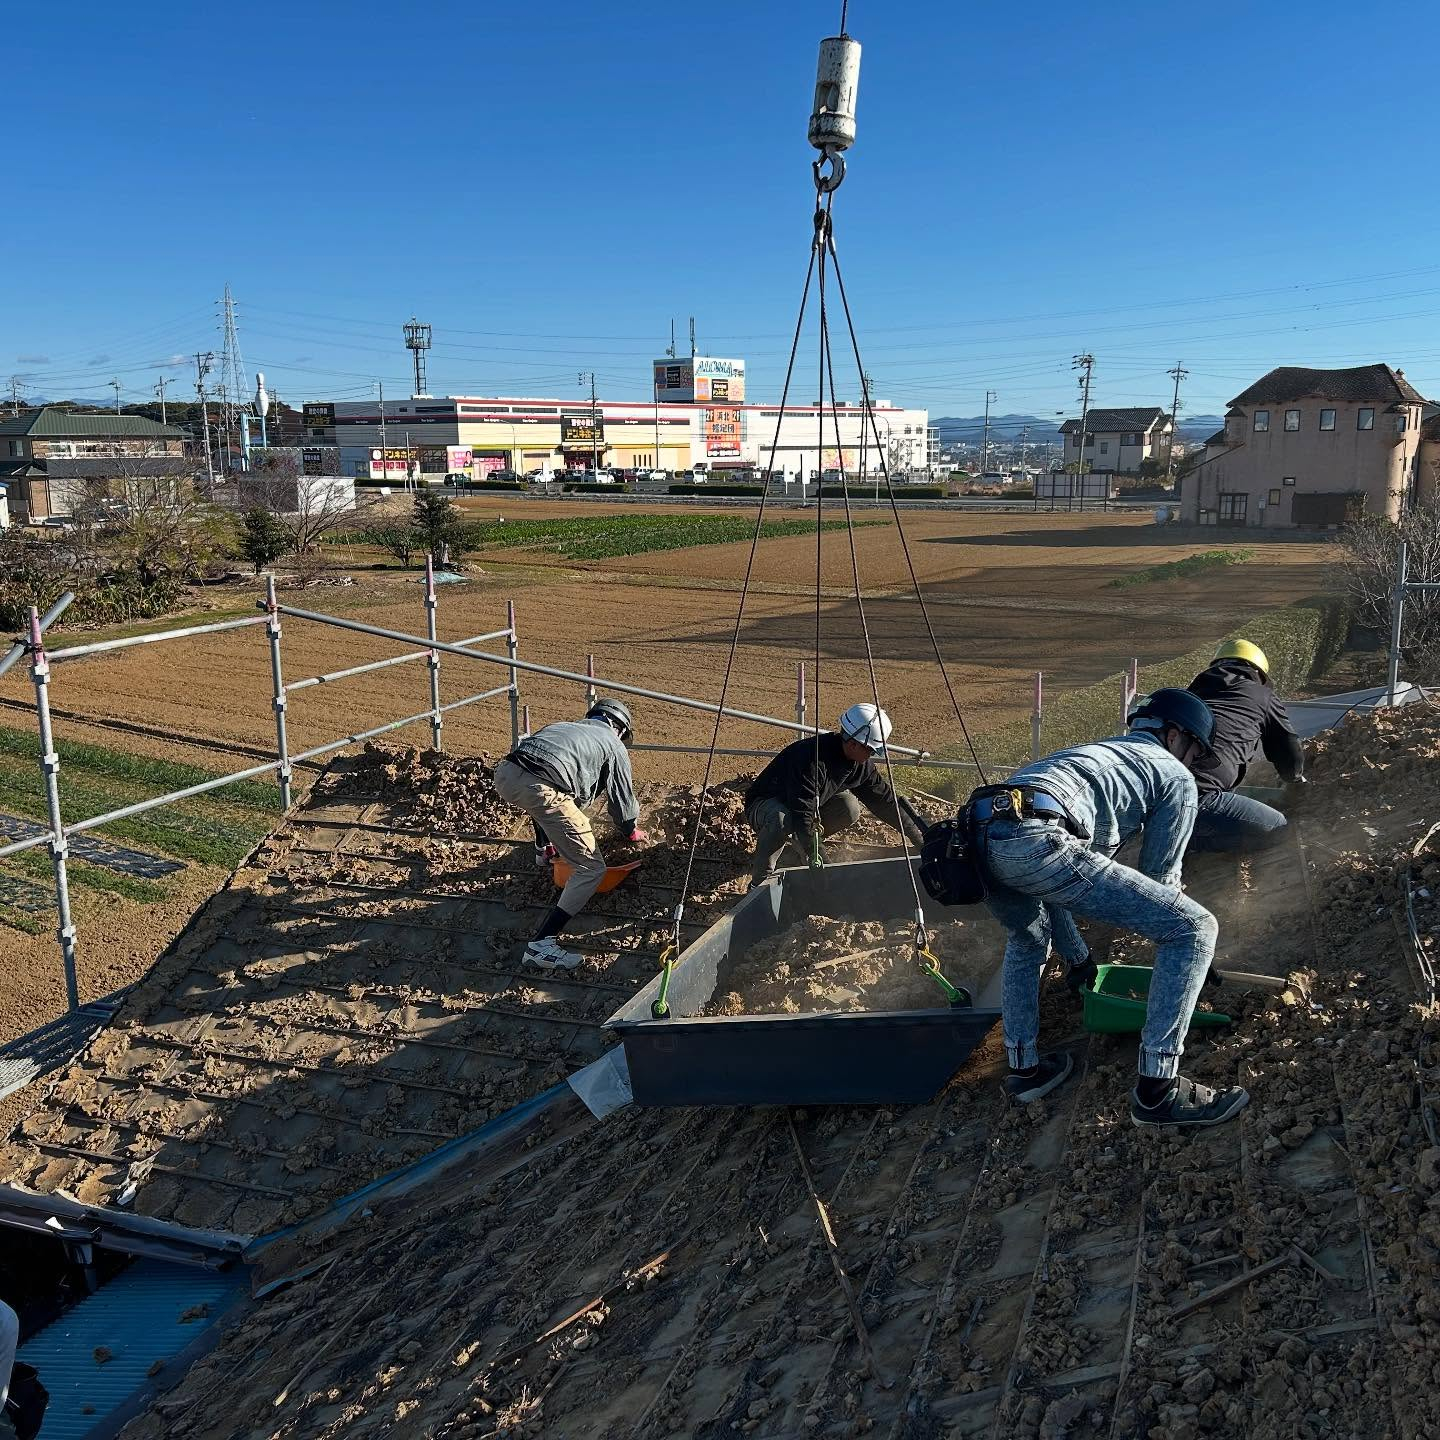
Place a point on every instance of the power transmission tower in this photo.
(160, 391)
(594, 422)
(203, 362)
(417, 342)
(1179, 372)
(1086, 365)
(990, 396)
(115, 385)
(232, 370)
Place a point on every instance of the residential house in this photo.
(1118, 442)
(1305, 447)
(52, 458)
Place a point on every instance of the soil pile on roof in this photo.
(1039, 1272)
(426, 789)
(824, 964)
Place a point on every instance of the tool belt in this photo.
(1021, 802)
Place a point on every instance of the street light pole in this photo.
(594, 423)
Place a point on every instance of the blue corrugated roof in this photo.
(137, 1318)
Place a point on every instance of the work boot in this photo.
(1023, 1086)
(544, 855)
(548, 954)
(1190, 1105)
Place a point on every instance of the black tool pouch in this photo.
(950, 865)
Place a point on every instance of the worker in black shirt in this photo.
(819, 784)
(1249, 719)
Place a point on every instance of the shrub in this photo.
(714, 489)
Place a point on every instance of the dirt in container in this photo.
(824, 964)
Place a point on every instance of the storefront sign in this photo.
(577, 433)
(318, 416)
(458, 459)
(722, 432)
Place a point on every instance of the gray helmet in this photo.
(617, 713)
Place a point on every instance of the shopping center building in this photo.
(714, 432)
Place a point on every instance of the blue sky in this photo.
(548, 185)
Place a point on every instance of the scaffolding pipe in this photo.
(1397, 621)
(282, 748)
(437, 721)
(590, 692)
(512, 646)
(59, 845)
(141, 806)
(927, 762)
(531, 667)
(75, 651)
(332, 745)
(46, 621)
(800, 694)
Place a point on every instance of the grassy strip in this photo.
(604, 537)
(158, 776)
(1302, 642)
(1183, 569)
(205, 834)
(36, 865)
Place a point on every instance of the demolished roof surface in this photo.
(1032, 1272)
(353, 1000)
(1380, 383)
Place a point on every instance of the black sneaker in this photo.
(1052, 1071)
(1191, 1105)
(1082, 976)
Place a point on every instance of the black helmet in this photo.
(616, 713)
(1180, 708)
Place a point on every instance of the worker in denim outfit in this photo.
(1046, 838)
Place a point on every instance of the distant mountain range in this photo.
(968, 429)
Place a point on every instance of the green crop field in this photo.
(606, 536)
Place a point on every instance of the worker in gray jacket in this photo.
(552, 776)
(1045, 838)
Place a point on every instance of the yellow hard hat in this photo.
(1244, 650)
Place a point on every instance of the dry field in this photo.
(1008, 593)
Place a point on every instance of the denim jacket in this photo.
(583, 757)
(1115, 787)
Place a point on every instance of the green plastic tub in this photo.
(1116, 1005)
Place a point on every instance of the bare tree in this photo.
(1365, 572)
(310, 507)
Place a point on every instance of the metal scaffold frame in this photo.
(57, 834)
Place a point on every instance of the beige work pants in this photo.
(565, 824)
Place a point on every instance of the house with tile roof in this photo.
(50, 458)
(1311, 448)
(1118, 442)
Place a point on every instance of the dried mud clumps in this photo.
(428, 790)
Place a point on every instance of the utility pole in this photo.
(594, 422)
(115, 385)
(14, 394)
(1179, 372)
(671, 351)
(990, 396)
(1024, 453)
(202, 369)
(692, 337)
(1085, 364)
(384, 454)
(160, 391)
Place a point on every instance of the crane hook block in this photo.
(837, 78)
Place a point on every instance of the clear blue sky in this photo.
(548, 185)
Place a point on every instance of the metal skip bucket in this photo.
(870, 1057)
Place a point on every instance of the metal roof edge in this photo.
(63, 1217)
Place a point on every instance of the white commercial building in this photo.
(480, 435)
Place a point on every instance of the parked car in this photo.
(508, 475)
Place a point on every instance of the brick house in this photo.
(1305, 447)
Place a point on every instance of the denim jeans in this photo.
(1231, 821)
(1038, 870)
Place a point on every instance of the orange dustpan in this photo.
(614, 874)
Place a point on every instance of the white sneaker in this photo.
(549, 954)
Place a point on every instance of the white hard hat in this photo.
(867, 724)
